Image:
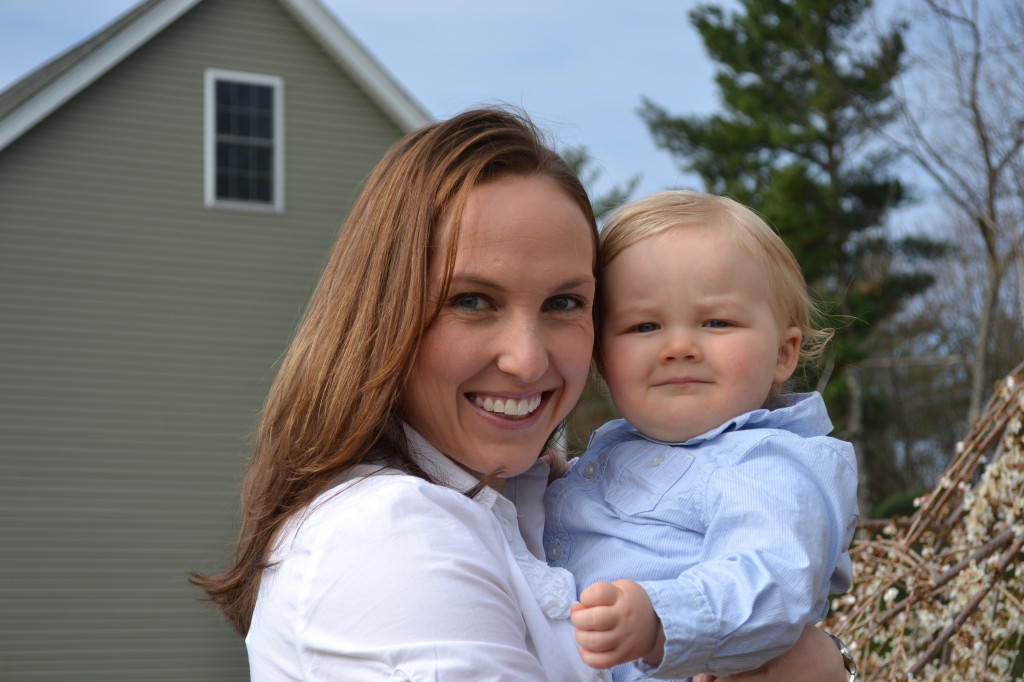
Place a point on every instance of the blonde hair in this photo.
(335, 402)
(677, 209)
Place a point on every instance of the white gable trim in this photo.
(322, 26)
(87, 71)
(351, 56)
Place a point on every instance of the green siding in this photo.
(139, 332)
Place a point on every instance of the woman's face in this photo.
(508, 355)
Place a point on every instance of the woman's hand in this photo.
(814, 658)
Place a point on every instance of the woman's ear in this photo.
(789, 355)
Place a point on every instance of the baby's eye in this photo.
(645, 327)
(470, 302)
(563, 304)
(717, 324)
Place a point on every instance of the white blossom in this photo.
(912, 581)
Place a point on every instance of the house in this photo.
(169, 189)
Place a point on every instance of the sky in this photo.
(578, 67)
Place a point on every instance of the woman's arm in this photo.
(814, 658)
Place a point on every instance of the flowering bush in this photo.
(940, 595)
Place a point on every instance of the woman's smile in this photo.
(509, 407)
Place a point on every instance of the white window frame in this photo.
(276, 83)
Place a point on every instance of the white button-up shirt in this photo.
(388, 577)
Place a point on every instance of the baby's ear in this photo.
(789, 355)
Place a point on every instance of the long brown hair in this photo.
(337, 395)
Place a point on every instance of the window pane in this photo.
(223, 89)
(263, 160)
(263, 188)
(244, 159)
(263, 126)
(264, 99)
(222, 157)
(245, 142)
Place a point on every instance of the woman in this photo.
(449, 336)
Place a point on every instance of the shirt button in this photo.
(656, 460)
(555, 550)
(589, 471)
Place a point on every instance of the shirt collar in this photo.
(443, 470)
(553, 588)
(801, 413)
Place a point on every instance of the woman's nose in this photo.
(523, 351)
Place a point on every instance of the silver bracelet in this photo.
(848, 664)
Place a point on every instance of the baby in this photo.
(723, 499)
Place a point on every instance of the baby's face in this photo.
(688, 337)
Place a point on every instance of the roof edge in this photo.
(324, 28)
(83, 73)
(352, 56)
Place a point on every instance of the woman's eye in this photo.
(645, 327)
(471, 302)
(563, 304)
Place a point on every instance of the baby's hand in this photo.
(615, 623)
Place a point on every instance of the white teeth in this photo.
(509, 407)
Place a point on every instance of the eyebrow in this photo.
(484, 282)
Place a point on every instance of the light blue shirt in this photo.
(738, 535)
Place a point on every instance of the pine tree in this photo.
(804, 90)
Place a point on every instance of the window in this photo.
(244, 140)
